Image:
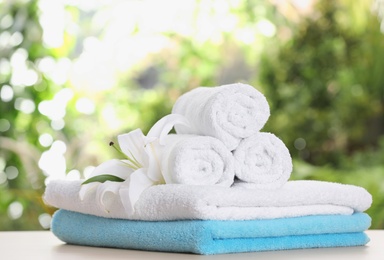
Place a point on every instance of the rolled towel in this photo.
(178, 201)
(229, 112)
(262, 161)
(212, 237)
(196, 160)
(173, 159)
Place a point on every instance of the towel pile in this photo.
(234, 114)
(217, 186)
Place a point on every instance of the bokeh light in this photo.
(15, 210)
(75, 74)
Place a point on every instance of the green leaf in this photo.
(103, 178)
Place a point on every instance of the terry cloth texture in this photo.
(229, 112)
(177, 201)
(263, 161)
(212, 237)
(196, 160)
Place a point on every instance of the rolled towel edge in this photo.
(262, 161)
(198, 160)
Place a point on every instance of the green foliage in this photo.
(19, 145)
(321, 74)
(319, 87)
(103, 178)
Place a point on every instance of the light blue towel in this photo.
(212, 236)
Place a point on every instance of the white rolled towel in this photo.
(262, 161)
(172, 159)
(229, 112)
(196, 160)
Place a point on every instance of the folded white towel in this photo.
(229, 112)
(196, 160)
(177, 201)
(262, 161)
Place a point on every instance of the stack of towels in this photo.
(226, 190)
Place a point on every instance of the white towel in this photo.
(177, 201)
(262, 161)
(196, 160)
(229, 112)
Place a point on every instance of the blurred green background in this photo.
(74, 74)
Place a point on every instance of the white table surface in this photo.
(43, 245)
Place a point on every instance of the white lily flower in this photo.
(139, 170)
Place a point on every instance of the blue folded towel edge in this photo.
(212, 236)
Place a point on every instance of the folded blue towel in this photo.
(212, 236)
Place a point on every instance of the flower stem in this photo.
(135, 164)
(117, 149)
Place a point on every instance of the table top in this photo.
(44, 245)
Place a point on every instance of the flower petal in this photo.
(113, 167)
(131, 189)
(132, 144)
(106, 192)
(162, 127)
(154, 170)
(87, 188)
